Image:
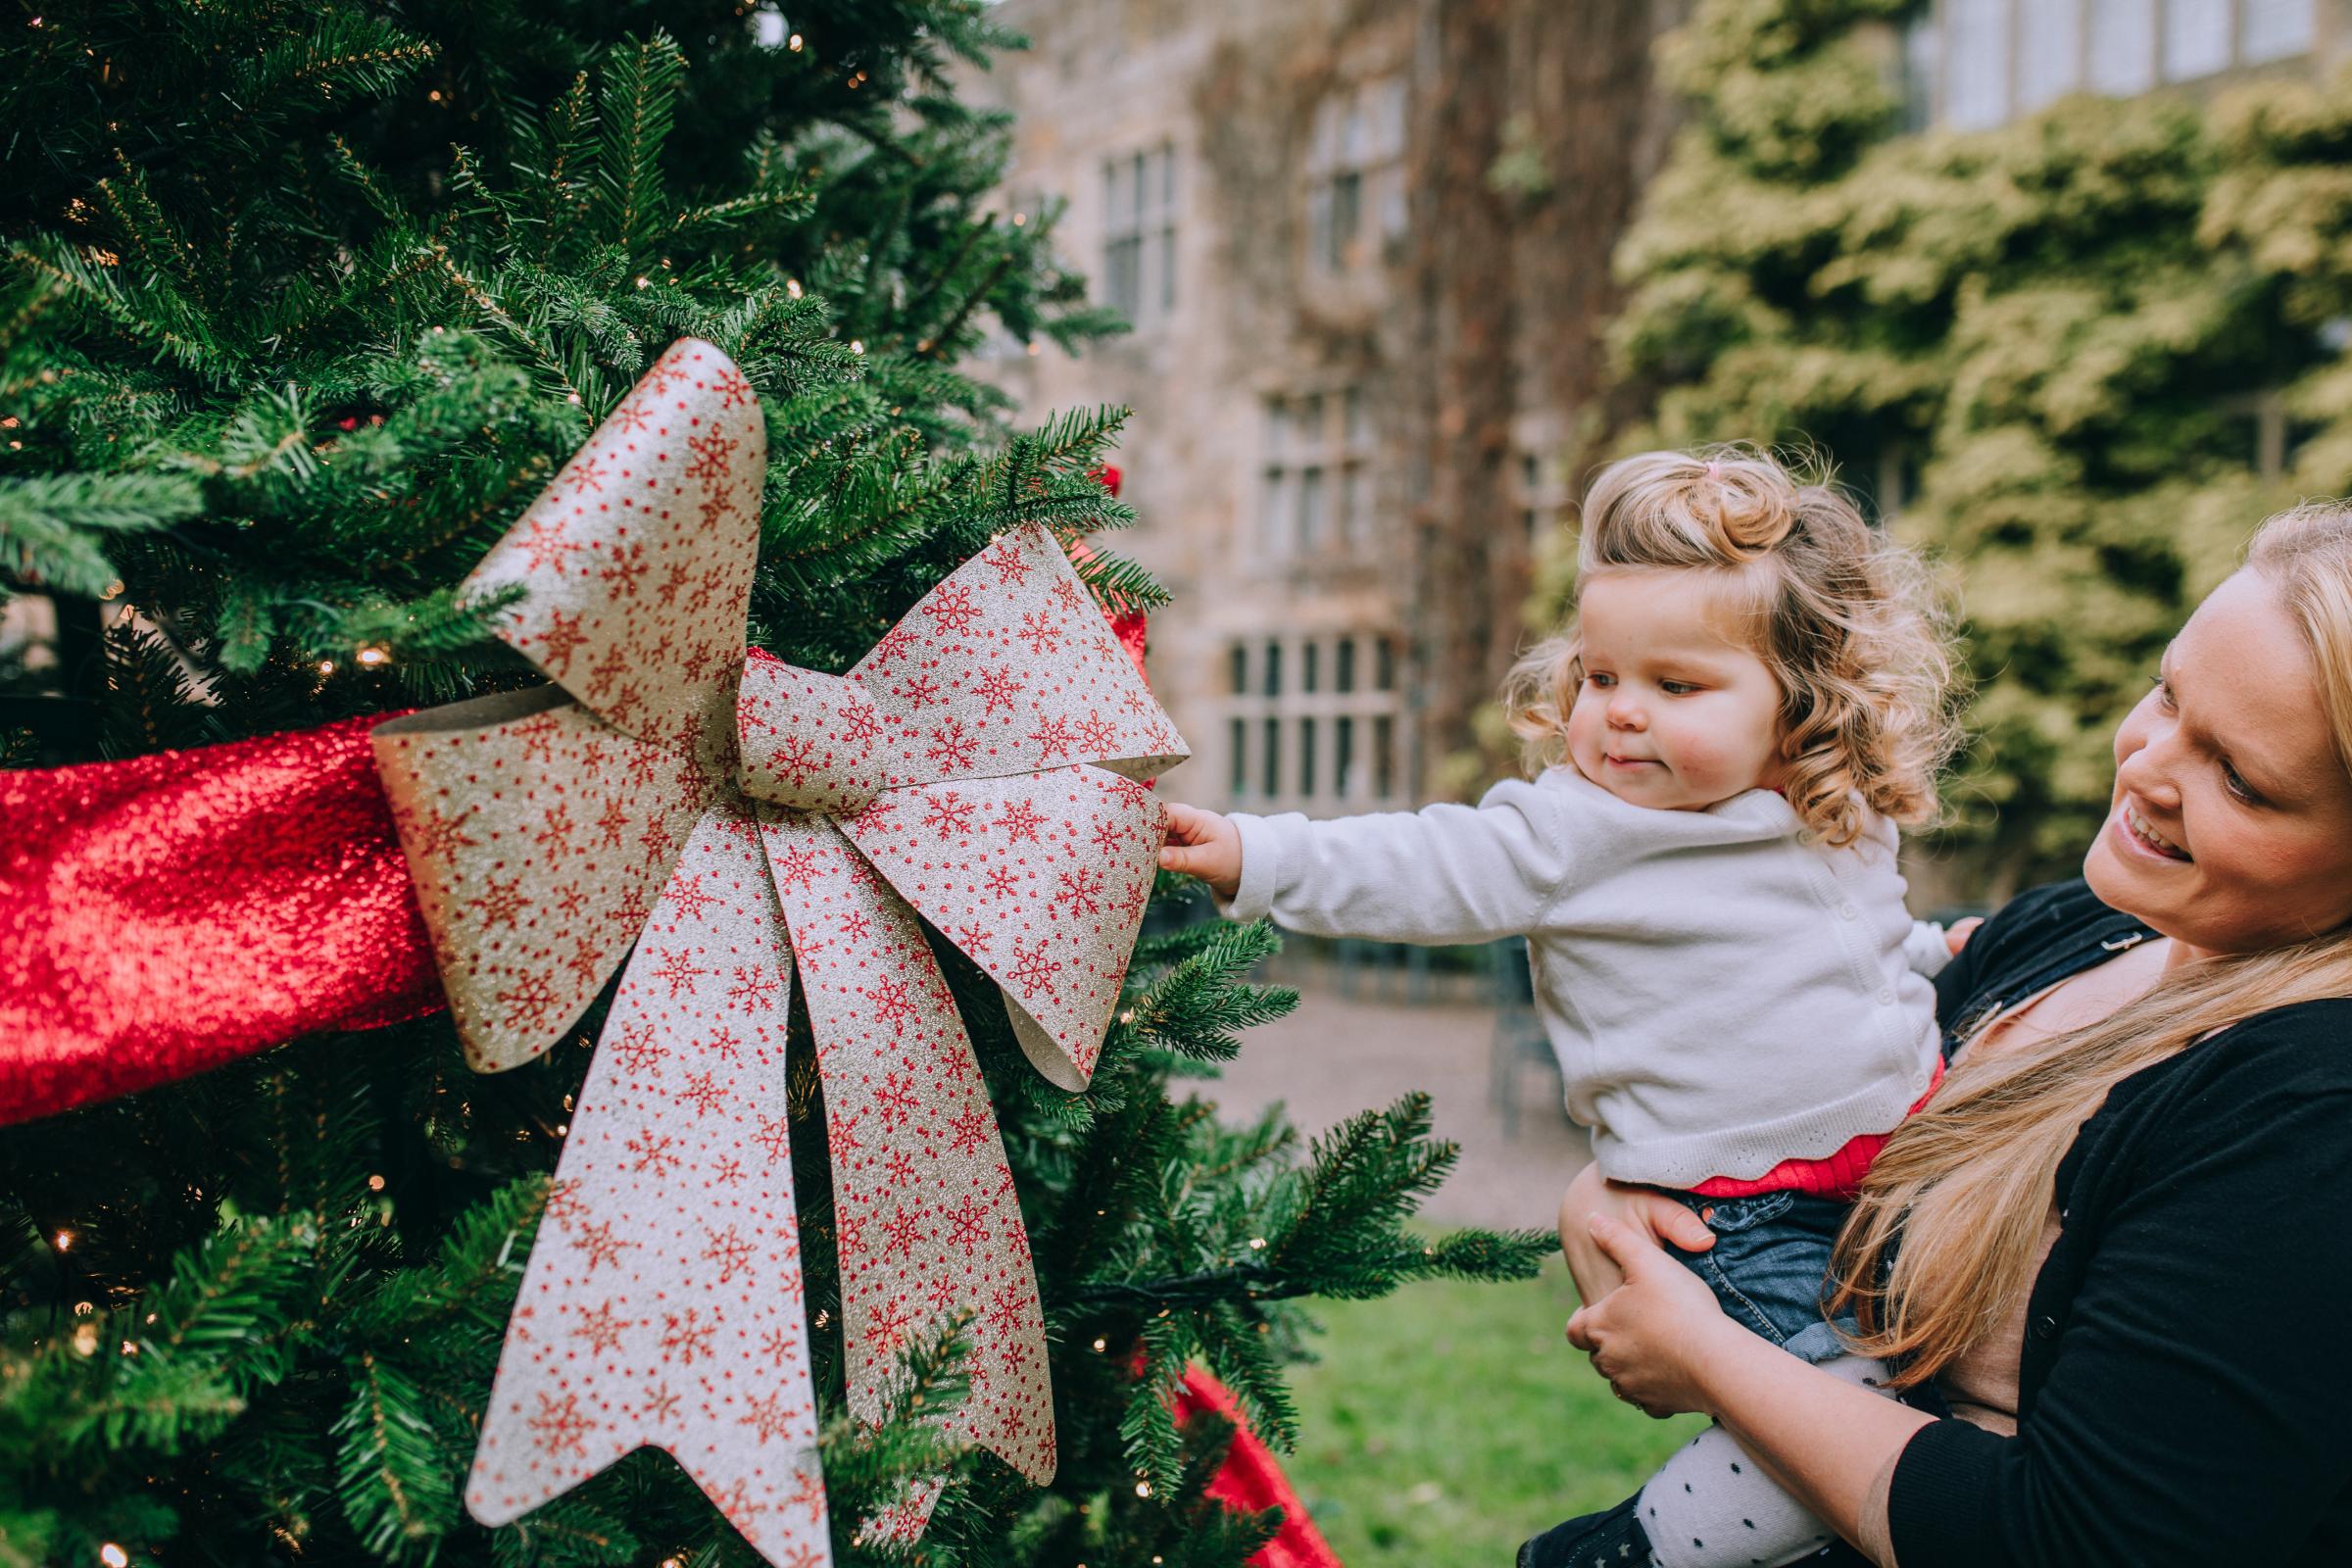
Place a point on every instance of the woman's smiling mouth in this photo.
(2142, 832)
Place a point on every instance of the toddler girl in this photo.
(1751, 694)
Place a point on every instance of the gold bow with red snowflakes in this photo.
(729, 817)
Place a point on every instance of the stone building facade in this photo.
(1364, 247)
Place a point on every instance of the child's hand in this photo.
(1205, 845)
(1956, 937)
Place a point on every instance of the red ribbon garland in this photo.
(172, 913)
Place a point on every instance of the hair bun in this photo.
(1751, 509)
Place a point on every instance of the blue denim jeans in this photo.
(1770, 1264)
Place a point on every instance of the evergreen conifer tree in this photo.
(299, 307)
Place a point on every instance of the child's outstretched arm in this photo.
(1445, 873)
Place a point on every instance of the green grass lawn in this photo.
(1450, 1422)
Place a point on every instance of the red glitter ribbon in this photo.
(1250, 1480)
(170, 913)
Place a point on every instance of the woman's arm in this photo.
(1664, 1345)
(2195, 1407)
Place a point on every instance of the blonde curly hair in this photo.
(1847, 622)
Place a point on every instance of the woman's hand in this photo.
(1651, 1212)
(1656, 1335)
(1205, 845)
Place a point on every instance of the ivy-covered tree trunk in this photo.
(300, 306)
(2081, 356)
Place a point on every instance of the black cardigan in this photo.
(2186, 1395)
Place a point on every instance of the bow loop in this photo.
(1007, 667)
(808, 739)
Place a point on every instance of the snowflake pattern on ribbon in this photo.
(714, 815)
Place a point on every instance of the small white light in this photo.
(792, 43)
(792, 287)
(326, 666)
(1258, 1244)
(1142, 1488)
(63, 1240)
(373, 655)
(1102, 1345)
(769, 29)
(856, 346)
(113, 1557)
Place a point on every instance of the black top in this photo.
(2185, 1396)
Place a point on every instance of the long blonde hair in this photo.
(1966, 1185)
(1846, 621)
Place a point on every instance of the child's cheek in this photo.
(1699, 755)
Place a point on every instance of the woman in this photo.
(2112, 1237)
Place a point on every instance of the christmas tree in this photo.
(302, 306)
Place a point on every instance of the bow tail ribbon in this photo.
(929, 1227)
(663, 1305)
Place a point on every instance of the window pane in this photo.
(1273, 524)
(1273, 669)
(1121, 261)
(1387, 186)
(1343, 762)
(1346, 207)
(1384, 756)
(1310, 508)
(1344, 672)
(1269, 772)
(1237, 662)
(1323, 147)
(1388, 119)
(1237, 767)
(2196, 38)
(2274, 29)
(1976, 73)
(2123, 46)
(1922, 58)
(1359, 502)
(1310, 422)
(1115, 198)
(1307, 756)
(2049, 52)
(1357, 429)
(1167, 178)
(1277, 427)
(1168, 270)
(1384, 665)
(1135, 194)
(1310, 659)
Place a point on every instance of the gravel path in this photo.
(1336, 1056)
